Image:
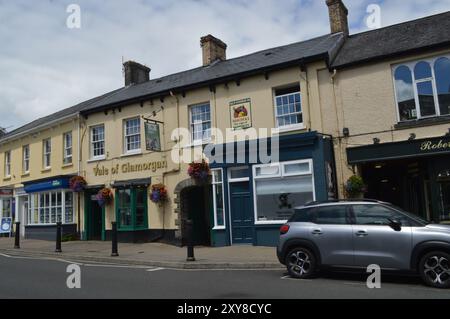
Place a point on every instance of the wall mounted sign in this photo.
(6, 192)
(241, 114)
(129, 168)
(152, 137)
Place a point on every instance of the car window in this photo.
(377, 215)
(302, 215)
(331, 215)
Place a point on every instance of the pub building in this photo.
(413, 174)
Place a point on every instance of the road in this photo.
(22, 277)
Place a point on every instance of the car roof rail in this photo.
(331, 201)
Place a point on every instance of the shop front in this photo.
(252, 200)
(414, 175)
(49, 201)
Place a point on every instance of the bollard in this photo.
(58, 237)
(190, 240)
(17, 236)
(114, 250)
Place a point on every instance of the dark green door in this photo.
(241, 213)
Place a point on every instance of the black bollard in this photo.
(17, 236)
(58, 237)
(190, 240)
(114, 252)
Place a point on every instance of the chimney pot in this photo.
(135, 73)
(213, 49)
(338, 16)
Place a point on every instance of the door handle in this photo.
(362, 233)
(317, 232)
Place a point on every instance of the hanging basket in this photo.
(104, 197)
(158, 194)
(355, 187)
(77, 184)
(200, 172)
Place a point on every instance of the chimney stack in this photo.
(338, 16)
(135, 73)
(213, 49)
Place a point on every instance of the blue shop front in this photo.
(46, 202)
(251, 200)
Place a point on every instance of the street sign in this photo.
(5, 225)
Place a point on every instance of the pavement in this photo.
(149, 254)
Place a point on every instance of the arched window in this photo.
(424, 82)
(405, 93)
(442, 74)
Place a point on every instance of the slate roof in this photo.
(430, 32)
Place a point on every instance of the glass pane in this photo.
(69, 215)
(125, 198)
(422, 71)
(140, 197)
(269, 170)
(442, 73)
(219, 205)
(377, 215)
(239, 173)
(332, 215)
(426, 98)
(276, 198)
(405, 94)
(140, 215)
(297, 168)
(217, 176)
(125, 217)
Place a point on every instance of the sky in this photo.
(45, 66)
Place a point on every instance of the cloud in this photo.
(45, 67)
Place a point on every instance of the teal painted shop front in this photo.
(252, 200)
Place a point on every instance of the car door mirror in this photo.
(395, 224)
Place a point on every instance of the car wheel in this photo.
(434, 269)
(300, 263)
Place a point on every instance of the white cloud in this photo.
(44, 66)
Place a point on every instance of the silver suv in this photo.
(356, 234)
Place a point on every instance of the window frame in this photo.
(281, 170)
(67, 159)
(31, 207)
(26, 159)
(133, 206)
(191, 124)
(411, 66)
(47, 153)
(290, 127)
(7, 167)
(214, 185)
(125, 136)
(92, 142)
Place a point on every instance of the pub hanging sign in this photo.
(241, 114)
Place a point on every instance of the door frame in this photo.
(231, 181)
(88, 213)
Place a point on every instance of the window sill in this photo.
(46, 170)
(98, 159)
(286, 129)
(219, 228)
(423, 122)
(197, 144)
(7, 178)
(132, 154)
(67, 165)
(25, 175)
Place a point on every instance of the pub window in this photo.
(98, 142)
(200, 122)
(8, 163)
(288, 108)
(26, 158)
(67, 148)
(131, 208)
(423, 88)
(279, 188)
(218, 199)
(47, 153)
(132, 135)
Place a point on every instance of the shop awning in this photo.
(134, 182)
(398, 150)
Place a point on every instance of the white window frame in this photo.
(281, 164)
(191, 124)
(411, 66)
(291, 127)
(47, 153)
(8, 164)
(214, 185)
(92, 142)
(125, 136)
(67, 159)
(31, 218)
(26, 159)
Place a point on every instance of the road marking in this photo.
(287, 277)
(4, 255)
(155, 269)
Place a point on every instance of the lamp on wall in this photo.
(346, 131)
(376, 140)
(412, 137)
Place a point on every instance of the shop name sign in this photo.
(129, 168)
(440, 145)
